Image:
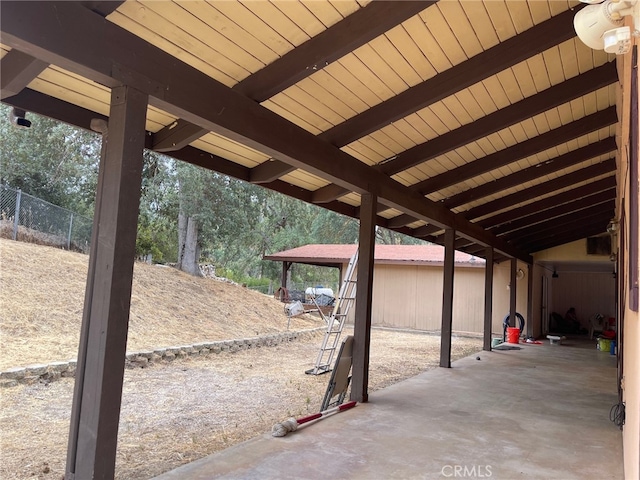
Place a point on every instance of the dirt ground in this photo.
(177, 412)
(173, 412)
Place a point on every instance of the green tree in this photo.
(50, 160)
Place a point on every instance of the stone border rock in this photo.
(49, 372)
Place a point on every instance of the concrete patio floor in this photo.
(539, 412)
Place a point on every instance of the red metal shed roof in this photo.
(316, 254)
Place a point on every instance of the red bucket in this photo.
(513, 335)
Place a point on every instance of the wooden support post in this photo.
(101, 356)
(512, 292)
(447, 298)
(362, 326)
(529, 318)
(285, 269)
(488, 299)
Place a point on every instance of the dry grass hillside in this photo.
(42, 293)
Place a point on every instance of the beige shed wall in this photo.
(411, 297)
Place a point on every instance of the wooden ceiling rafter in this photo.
(602, 185)
(559, 224)
(351, 32)
(574, 157)
(572, 236)
(519, 151)
(576, 230)
(552, 97)
(564, 181)
(216, 107)
(17, 70)
(301, 62)
(504, 55)
(569, 207)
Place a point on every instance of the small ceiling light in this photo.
(613, 225)
(601, 25)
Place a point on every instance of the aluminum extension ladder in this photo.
(335, 321)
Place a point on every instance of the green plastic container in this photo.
(604, 345)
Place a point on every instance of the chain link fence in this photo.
(30, 219)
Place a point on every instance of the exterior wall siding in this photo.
(411, 297)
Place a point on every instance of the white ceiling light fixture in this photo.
(600, 25)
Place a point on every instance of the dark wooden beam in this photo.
(401, 221)
(578, 230)
(603, 147)
(103, 8)
(519, 151)
(564, 181)
(479, 67)
(97, 398)
(362, 322)
(51, 107)
(338, 40)
(269, 171)
(599, 214)
(17, 70)
(488, 299)
(79, 117)
(552, 97)
(332, 192)
(576, 234)
(176, 136)
(605, 184)
(447, 298)
(56, 34)
(607, 197)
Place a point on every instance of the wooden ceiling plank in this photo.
(302, 17)
(501, 20)
(404, 42)
(503, 118)
(461, 28)
(395, 60)
(333, 43)
(129, 23)
(605, 184)
(235, 34)
(249, 22)
(204, 38)
(17, 70)
(518, 151)
(564, 181)
(472, 71)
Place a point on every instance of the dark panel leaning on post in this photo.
(447, 298)
(101, 359)
(488, 298)
(362, 326)
(529, 301)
